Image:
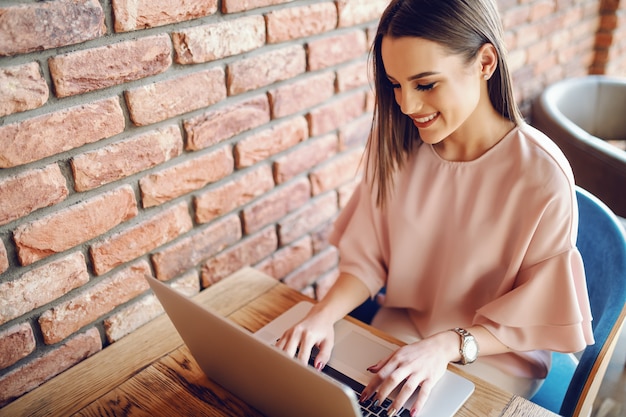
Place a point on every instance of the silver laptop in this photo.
(249, 366)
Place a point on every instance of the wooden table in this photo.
(151, 372)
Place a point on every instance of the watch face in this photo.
(470, 349)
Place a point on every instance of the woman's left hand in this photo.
(418, 365)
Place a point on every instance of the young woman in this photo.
(466, 215)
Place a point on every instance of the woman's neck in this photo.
(476, 136)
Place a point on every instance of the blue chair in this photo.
(571, 386)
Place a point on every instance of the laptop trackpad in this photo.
(355, 351)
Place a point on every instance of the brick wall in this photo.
(184, 140)
(610, 50)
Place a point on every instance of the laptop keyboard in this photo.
(369, 407)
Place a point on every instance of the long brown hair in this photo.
(460, 26)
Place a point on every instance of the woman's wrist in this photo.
(448, 342)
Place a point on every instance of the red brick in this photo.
(132, 317)
(356, 132)
(140, 239)
(325, 282)
(122, 159)
(66, 318)
(190, 175)
(192, 250)
(504, 5)
(96, 68)
(140, 312)
(74, 225)
(307, 218)
(353, 76)
(16, 343)
(303, 94)
(309, 292)
(354, 12)
(515, 16)
(31, 190)
(304, 157)
(52, 363)
(604, 40)
(517, 59)
(25, 293)
(310, 271)
(22, 88)
(234, 6)
(608, 23)
(233, 194)
(145, 309)
(67, 22)
(57, 132)
(370, 32)
(218, 125)
(527, 36)
(278, 138)
(262, 70)
(275, 205)
(159, 101)
(333, 50)
(287, 259)
(336, 113)
(572, 16)
(345, 191)
(219, 40)
(131, 15)
(188, 284)
(4, 260)
(510, 40)
(245, 253)
(541, 9)
(298, 22)
(320, 236)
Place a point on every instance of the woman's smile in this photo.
(424, 121)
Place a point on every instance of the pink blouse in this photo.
(487, 242)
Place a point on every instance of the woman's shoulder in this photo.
(541, 155)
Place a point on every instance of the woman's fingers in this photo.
(323, 356)
(408, 369)
(425, 390)
(300, 340)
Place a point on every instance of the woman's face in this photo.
(440, 92)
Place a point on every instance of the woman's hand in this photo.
(313, 330)
(316, 329)
(418, 365)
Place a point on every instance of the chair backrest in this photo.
(602, 244)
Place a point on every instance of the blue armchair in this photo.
(571, 386)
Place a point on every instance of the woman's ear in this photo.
(488, 60)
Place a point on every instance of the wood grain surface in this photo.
(152, 373)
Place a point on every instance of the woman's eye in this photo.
(425, 87)
(394, 85)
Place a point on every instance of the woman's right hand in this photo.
(316, 329)
(313, 331)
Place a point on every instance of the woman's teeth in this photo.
(426, 119)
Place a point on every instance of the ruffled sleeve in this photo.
(548, 308)
(358, 235)
(549, 311)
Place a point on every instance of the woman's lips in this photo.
(422, 122)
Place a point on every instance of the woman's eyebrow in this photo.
(416, 76)
(422, 75)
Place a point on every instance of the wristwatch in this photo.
(468, 348)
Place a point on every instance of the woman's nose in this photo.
(410, 103)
